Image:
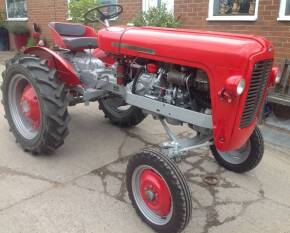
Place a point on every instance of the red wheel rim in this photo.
(155, 192)
(29, 105)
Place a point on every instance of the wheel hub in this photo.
(155, 193)
(29, 105)
(150, 195)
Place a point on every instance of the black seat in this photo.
(80, 42)
(74, 35)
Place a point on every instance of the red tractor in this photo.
(214, 82)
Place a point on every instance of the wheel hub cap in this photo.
(155, 193)
(30, 106)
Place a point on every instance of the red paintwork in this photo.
(220, 55)
(152, 68)
(103, 56)
(21, 40)
(151, 181)
(30, 105)
(64, 69)
(273, 76)
(58, 40)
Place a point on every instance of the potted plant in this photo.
(21, 34)
(236, 7)
(4, 35)
(252, 7)
(224, 7)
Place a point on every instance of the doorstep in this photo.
(276, 136)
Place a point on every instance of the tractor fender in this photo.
(65, 70)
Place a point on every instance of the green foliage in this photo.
(18, 28)
(30, 42)
(77, 9)
(2, 19)
(158, 17)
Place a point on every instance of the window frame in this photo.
(282, 12)
(13, 19)
(212, 17)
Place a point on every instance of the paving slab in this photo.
(81, 188)
(71, 209)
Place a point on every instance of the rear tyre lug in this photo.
(27, 70)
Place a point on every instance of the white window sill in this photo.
(232, 18)
(284, 18)
(17, 19)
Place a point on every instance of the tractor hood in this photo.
(211, 48)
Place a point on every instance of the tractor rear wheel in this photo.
(158, 191)
(119, 113)
(244, 159)
(35, 104)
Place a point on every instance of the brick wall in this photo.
(45, 11)
(194, 13)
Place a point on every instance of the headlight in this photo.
(235, 85)
(241, 86)
(275, 77)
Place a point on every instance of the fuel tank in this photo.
(180, 45)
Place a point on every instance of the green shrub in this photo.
(77, 9)
(18, 28)
(30, 42)
(2, 19)
(158, 17)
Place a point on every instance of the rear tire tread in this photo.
(51, 92)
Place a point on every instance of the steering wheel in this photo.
(102, 13)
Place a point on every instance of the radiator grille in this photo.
(256, 91)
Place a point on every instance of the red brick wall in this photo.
(194, 13)
(45, 11)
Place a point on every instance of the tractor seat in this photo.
(73, 36)
(80, 42)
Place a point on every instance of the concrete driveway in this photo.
(80, 189)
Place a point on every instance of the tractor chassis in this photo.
(177, 146)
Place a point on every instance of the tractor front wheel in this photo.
(35, 104)
(244, 159)
(158, 191)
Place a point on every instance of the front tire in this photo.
(244, 159)
(159, 192)
(35, 104)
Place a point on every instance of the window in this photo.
(284, 10)
(16, 9)
(147, 4)
(233, 10)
